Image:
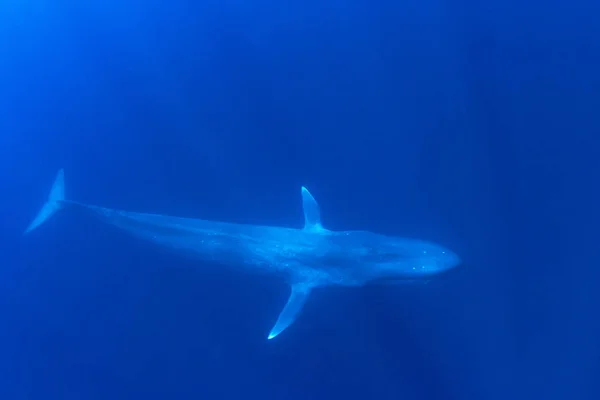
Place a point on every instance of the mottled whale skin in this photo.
(304, 258)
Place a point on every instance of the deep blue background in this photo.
(472, 124)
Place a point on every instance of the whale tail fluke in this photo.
(52, 205)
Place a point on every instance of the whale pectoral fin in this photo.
(298, 297)
(312, 214)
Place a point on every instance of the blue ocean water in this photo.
(471, 124)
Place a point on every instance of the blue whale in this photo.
(305, 258)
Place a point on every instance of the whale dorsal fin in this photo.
(298, 296)
(312, 215)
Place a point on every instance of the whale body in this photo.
(305, 258)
